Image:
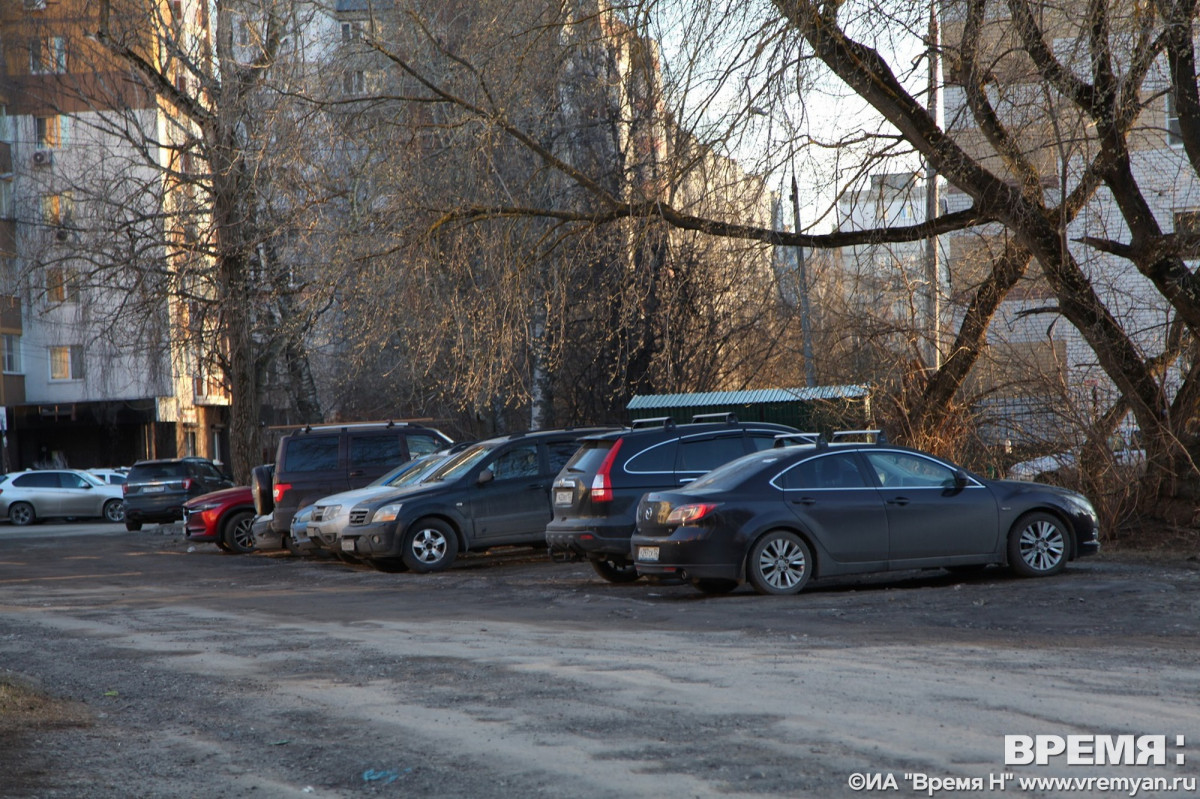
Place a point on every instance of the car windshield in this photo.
(458, 465)
(91, 478)
(733, 474)
(403, 470)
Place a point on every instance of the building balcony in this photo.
(12, 390)
(10, 315)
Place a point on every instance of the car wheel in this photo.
(430, 546)
(221, 545)
(780, 563)
(114, 511)
(1037, 545)
(21, 514)
(132, 527)
(615, 570)
(237, 533)
(714, 586)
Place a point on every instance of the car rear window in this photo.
(589, 456)
(157, 471)
(318, 454)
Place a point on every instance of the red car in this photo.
(223, 518)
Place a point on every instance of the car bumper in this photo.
(589, 539)
(688, 553)
(159, 509)
(376, 540)
(266, 539)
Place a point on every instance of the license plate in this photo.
(563, 497)
(647, 553)
(347, 544)
(153, 489)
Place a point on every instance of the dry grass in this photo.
(24, 707)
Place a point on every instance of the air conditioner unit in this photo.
(43, 158)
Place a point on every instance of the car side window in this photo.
(654, 459)
(423, 445)
(381, 449)
(560, 452)
(37, 480)
(72, 480)
(706, 454)
(318, 454)
(903, 469)
(520, 461)
(208, 472)
(825, 471)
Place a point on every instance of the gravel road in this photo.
(183, 672)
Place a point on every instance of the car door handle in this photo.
(358, 473)
(803, 501)
(898, 501)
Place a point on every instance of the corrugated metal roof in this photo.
(363, 5)
(751, 397)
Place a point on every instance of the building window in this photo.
(5, 131)
(48, 56)
(62, 284)
(351, 31)
(12, 354)
(1174, 135)
(66, 363)
(52, 131)
(354, 82)
(6, 197)
(58, 209)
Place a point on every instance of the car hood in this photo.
(357, 496)
(235, 494)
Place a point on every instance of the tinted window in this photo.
(312, 454)
(157, 471)
(701, 455)
(375, 450)
(762, 440)
(560, 452)
(208, 472)
(902, 469)
(69, 480)
(460, 464)
(656, 458)
(825, 471)
(589, 456)
(520, 461)
(736, 472)
(37, 480)
(423, 445)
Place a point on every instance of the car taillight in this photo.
(124, 489)
(686, 514)
(187, 483)
(278, 490)
(601, 483)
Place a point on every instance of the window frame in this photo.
(74, 362)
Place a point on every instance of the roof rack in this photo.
(789, 439)
(309, 427)
(659, 421)
(878, 436)
(727, 416)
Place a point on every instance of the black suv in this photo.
(495, 492)
(319, 460)
(156, 490)
(595, 496)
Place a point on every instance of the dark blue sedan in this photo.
(781, 517)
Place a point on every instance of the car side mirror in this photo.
(485, 477)
(960, 480)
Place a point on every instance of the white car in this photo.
(31, 496)
(1125, 446)
(114, 477)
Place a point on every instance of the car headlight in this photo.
(387, 513)
(1081, 504)
(203, 507)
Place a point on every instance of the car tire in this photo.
(780, 563)
(237, 533)
(615, 570)
(430, 546)
(21, 514)
(132, 527)
(114, 511)
(1037, 545)
(713, 586)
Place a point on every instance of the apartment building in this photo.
(97, 370)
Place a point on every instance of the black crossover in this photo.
(596, 493)
(779, 518)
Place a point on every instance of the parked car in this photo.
(319, 460)
(1125, 447)
(778, 519)
(266, 539)
(223, 518)
(114, 477)
(596, 493)
(495, 492)
(330, 515)
(32, 496)
(156, 489)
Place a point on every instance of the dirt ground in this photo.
(139, 665)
